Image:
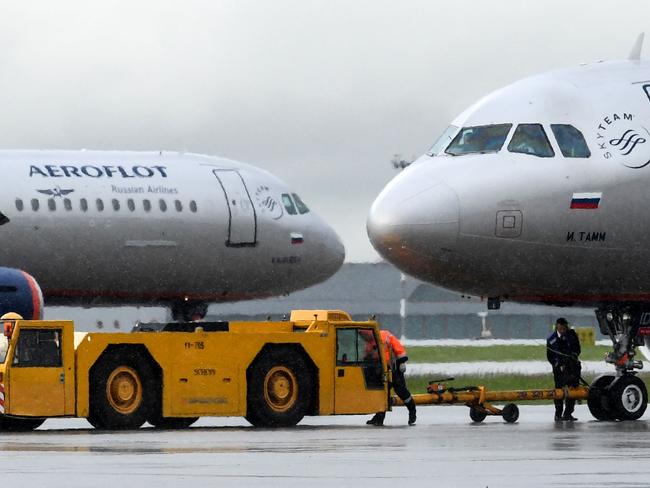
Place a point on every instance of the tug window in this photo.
(288, 204)
(479, 140)
(531, 139)
(358, 347)
(19, 205)
(302, 208)
(38, 348)
(571, 141)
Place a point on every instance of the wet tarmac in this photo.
(444, 449)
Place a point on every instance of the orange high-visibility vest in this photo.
(394, 348)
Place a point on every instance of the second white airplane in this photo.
(179, 230)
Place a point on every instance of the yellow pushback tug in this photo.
(272, 373)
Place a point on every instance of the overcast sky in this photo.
(321, 93)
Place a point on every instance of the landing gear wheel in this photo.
(628, 397)
(510, 413)
(477, 414)
(172, 422)
(122, 391)
(279, 389)
(12, 424)
(598, 400)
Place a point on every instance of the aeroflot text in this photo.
(63, 171)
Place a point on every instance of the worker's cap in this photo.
(11, 316)
(562, 321)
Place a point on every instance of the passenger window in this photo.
(163, 205)
(288, 204)
(67, 204)
(35, 204)
(100, 205)
(146, 204)
(178, 205)
(83, 205)
(19, 205)
(38, 348)
(131, 204)
(571, 141)
(479, 140)
(193, 207)
(358, 347)
(51, 204)
(531, 139)
(302, 208)
(116, 204)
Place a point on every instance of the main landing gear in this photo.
(622, 396)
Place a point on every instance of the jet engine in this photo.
(20, 293)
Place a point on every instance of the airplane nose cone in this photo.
(421, 218)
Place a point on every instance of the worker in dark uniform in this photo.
(396, 359)
(562, 351)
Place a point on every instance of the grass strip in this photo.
(454, 354)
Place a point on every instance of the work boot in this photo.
(377, 419)
(558, 418)
(412, 416)
(568, 417)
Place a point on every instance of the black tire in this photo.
(510, 413)
(12, 424)
(279, 388)
(628, 397)
(172, 422)
(477, 414)
(598, 400)
(122, 391)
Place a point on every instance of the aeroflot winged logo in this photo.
(56, 192)
(96, 171)
(621, 139)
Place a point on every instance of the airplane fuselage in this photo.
(533, 224)
(135, 227)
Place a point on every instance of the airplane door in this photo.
(242, 226)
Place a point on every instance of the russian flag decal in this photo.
(296, 238)
(586, 200)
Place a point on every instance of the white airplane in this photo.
(538, 193)
(179, 230)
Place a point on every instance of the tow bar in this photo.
(479, 399)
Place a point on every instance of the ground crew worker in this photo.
(562, 351)
(396, 358)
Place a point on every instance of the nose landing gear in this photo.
(622, 396)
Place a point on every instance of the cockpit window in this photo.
(443, 141)
(531, 139)
(288, 204)
(302, 208)
(571, 141)
(479, 139)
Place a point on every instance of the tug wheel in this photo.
(628, 397)
(510, 413)
(477, 414)
(598, 400)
